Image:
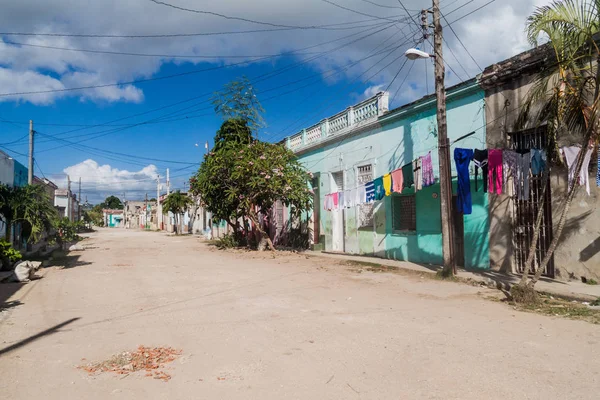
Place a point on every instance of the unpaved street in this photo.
(255, 327)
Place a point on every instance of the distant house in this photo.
(66, 203)
(113, 218)
(49, 186)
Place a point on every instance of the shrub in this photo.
(7, 253)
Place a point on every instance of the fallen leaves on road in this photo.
(149, 359)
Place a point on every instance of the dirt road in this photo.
(282, 328)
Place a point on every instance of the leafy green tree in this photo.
(241, 180)
(112, 203)
(566, 96)
(238, 101)
(232, 131)
(30, 205)
(177, 203)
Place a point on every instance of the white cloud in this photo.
(491, 34)
(99, 180)
(26, 81)
(372, 91)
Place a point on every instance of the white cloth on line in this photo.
(361, 194)
(571, 154)
(347, 198)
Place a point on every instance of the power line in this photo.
(379, 5)
(456, 58)
(459, 7)
(39, 168)
(242, 18)
(174, 35)
(330, 104)
(263, 77)
(461, 43)
(124, 53)
(357, 12)
(402, 84)
(474, 11)
(162, 77)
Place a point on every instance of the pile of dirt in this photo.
(149, 359)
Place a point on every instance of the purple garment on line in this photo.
(427, 167)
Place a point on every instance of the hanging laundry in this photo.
(480, 159)
(598, 165)
(347, 198)
(538, 161)
(462, 158)
(328, 203)
(379, 190)
(336, 200)
(522, 177)
(361, 194)
(408, 176)
(495, 171)
(397, 181)
(341, 201)
(427, 165)
(350, 197)
(418, 174)
(370, 191)
(570, 154)
(509, 158)
(387, 184)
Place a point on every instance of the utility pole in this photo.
(69, 199)
(146, 212)
(443, 146)
(168, 183)
(209, 215)
(158, 207)
(79, 199)
(30, 172)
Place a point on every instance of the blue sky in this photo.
(330, 85)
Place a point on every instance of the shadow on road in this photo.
(37, 336)
(6, 292)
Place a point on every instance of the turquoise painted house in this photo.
(367, 141)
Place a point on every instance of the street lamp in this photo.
(414, 54)
(443, 142)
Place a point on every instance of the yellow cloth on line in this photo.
(387, 184)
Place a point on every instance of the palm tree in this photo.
(177, 203)
(565, 96)
(29, 204)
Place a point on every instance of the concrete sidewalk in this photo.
(567, 290)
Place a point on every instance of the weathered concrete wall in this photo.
(578, 253)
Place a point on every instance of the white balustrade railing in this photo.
(295, 141)
(341, 123)
(313, 134)
(338, 123)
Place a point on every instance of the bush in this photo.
(8, 255)
(229, 241)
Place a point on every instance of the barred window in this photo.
(404, 213)
(365, 174)
(365, 211)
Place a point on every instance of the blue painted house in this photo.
(367, 141)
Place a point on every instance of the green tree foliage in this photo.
(565, 95)
(29, 205)
(8, 255)
(238, 101)
(241, 180)
(232, 131)
(177, 203)
(112, 203)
